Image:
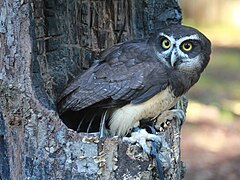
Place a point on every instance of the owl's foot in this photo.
(141, 136)
(164, 120)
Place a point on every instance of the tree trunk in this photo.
(44, 44)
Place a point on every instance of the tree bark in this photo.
(44, 44)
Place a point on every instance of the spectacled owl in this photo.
(136, 80)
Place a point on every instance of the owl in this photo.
(135, 80)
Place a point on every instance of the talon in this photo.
(165, 125)
(161, 129)
(164, 119)
(168, 123)
(141, 136)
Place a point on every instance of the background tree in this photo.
(44, 44)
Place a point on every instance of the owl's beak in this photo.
(174, 58)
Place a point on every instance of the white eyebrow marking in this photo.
(181, 40)
(192, 37)
(168, 37)
(171, 39)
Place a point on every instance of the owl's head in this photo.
(182, 48)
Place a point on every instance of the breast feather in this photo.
(123, 119)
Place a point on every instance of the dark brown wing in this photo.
(127, 72)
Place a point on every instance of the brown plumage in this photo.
(136, 80)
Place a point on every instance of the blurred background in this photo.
(211, 134)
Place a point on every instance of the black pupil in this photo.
(166, 43)
(187, 46)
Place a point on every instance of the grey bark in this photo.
(44, 44)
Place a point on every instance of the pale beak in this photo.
(173, 58)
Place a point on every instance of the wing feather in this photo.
(126, 72)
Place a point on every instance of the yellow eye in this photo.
(187, 46)
(166, 44)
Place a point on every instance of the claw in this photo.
(155, 147)
(141, 136)
(168, 123)
(164, 119)
(161, 129)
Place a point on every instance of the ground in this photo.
(211, 150)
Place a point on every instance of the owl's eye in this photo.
(187, 46)
(166, 44)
